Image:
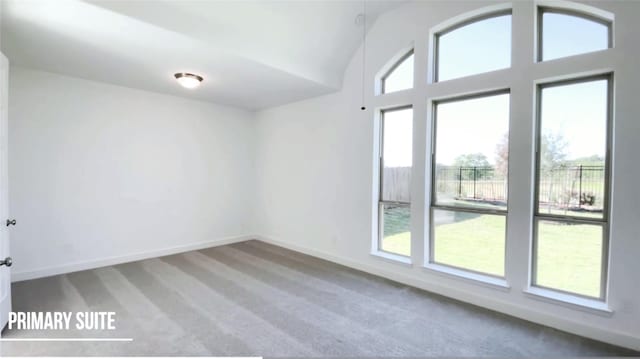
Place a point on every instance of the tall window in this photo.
(400, 76)
(565, 33)
(480, 46)
(571, 212)
(395, 181)
(469, 191)
(568, 182)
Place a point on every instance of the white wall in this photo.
(1, 9)
(315, 167)
(101, 173)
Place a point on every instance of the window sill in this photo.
(477, 278)
(393, 258)
(568, 300)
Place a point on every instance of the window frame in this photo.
(433, 206)
(381, 201)
(603, 222)
(461, 24)
(422, 248)
(385, 75)
(541, 10)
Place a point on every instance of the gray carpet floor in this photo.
(252, 298)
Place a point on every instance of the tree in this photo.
(593, 160)
(471, 166)
(553, 151)
(502, 155)
(471, 160)
(553, 154)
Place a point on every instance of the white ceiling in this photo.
(252, 54)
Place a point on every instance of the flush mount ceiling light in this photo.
(188, 80)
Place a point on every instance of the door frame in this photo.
(5, 272)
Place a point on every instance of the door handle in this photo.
(11, 222)
(6, 262)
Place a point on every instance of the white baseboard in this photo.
(597, 333)
(103, 262)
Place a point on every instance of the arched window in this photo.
(473, 47)
(566, 33)
(400, 76)
(464, 221)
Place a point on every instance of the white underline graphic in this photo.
(66, 339)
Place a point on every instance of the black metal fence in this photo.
(562, 186)
(477, 183)
(572, 187)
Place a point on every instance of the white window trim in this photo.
(474, 277)
(579, 8)
(393, 258)
(568, 300)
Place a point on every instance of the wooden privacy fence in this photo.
(396, 184)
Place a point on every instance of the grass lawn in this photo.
(397, 229)
(569, 256)
(472, 241)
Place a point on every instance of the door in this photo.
(5, 260)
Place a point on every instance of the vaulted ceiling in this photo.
(252, 54)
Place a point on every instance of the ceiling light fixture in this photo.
(188, 80)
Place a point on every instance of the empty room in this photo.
(326, 178)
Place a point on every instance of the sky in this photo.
(401, 78)
(478, 47)
(565, 35)
(398, 133)
(577, 111)
(471, 126)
